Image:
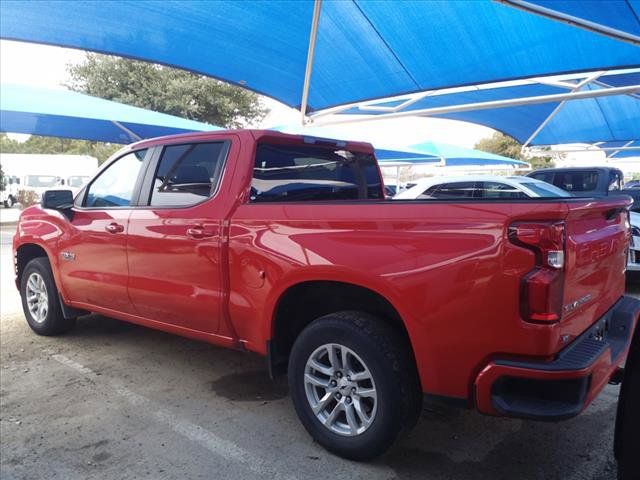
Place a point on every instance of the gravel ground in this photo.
(114, 400)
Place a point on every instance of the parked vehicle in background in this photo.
(479, 186)
(632, 184)
(588, 182)
(285, 246)
(634, 245)
(625, 443)
(39, 172)
(76, 182)
(9, 190)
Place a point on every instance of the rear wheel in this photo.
(353, 384)
(40, 300)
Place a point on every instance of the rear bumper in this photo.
(562, 388)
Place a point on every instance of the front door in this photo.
(93, 257)
(175, 244)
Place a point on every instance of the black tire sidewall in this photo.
(388, 421)
(54, 323)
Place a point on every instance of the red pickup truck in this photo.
(286, 246)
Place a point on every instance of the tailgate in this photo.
(596, 242)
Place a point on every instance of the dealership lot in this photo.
(113, 399)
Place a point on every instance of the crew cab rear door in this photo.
(175, 236)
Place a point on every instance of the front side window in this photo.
(114, 187)
(187, 174)
(291, 173)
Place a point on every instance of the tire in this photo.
(43, 313)
(386, 376)
(628, 416)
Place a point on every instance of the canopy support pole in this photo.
(512, 102)
(310, 55)
(597, 149)
(573, 21)
(575, 88)
(612, 154)
(134, 136)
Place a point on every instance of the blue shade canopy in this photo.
(590, 120)
(62, 113)
(455, 156)
(623, 16)
(627, 149)
(364, 50)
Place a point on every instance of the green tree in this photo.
(504, 145)
(56, 145)
(167, 90)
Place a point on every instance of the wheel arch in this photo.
(303, 302)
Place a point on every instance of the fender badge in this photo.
(68, 255)
(578, 303)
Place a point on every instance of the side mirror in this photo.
(58, 200)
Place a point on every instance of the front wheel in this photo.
(40, 299)
(353, 384)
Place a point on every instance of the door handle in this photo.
(198, 232)
(114, 228)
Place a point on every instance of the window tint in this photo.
(615, 181)
(428, 193)
(455, 190)
(297, 173)
(499, 190)
(545, 190)
(543, 176)
(582, 181)
(187, 174)
(114, 187)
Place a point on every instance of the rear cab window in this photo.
(293, 173)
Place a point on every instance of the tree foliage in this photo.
(167, 90)
(55, 145)
(504, 145)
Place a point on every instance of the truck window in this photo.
(289, 173)
(187, 174)
(581, 181)
(615, 181)
(114, 186)
(41, 180)
(499, 190)
(455, 190)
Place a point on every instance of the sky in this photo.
(46, 66)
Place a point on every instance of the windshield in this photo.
(41, 181)
(77, 181)
(545, 189)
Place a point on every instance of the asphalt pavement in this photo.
(114, 400)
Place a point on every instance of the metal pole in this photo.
(134, 136)
(589, 149)
(573, 21)
(623, 146)
(310, 54)
(514, 102)
(575, 88)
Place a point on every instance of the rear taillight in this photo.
(542, 288)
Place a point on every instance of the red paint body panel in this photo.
(449, 269)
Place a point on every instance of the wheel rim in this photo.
(37, 298)
(340, 390)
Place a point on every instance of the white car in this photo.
(633, 264)
(480, 186)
